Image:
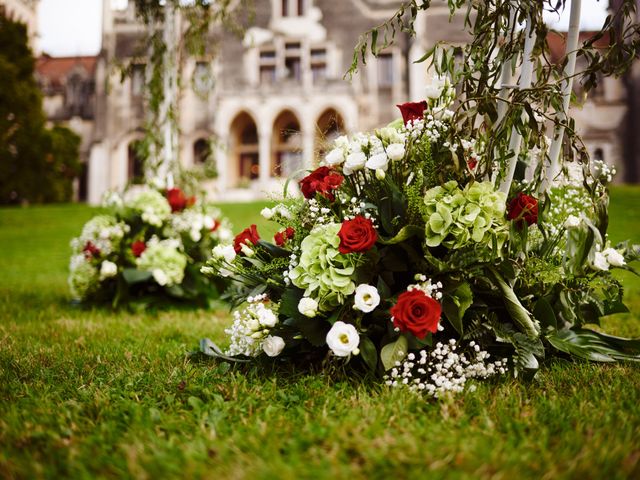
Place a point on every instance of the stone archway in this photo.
(244, 160)
(329, 126)
(286, 145)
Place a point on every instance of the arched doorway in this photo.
(244, 158)
(201, 151)
(286, 144)
(329, 126)
(135, 162)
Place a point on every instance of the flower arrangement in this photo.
(147, 247)
(404, 257)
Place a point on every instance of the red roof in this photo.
(56, 69)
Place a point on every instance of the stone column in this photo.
(264, 153)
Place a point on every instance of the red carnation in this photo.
(178, 200)
(412, 110)
(322, 180)
(282, 237)
(417, 313)
(90, 250)
(248, 234)
(523, 208)
(138, 247)
(357, 235)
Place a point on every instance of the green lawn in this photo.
(91, 393)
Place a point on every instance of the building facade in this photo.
(264, 106)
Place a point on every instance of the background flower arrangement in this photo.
(404, 259)
(147, 248)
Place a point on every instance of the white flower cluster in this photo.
(354, 208)
(318, 215)
(194, 223)
(165, 260)
(151, 204)
(430, 289)
(249, 334)
(433, 126)
(603, 172)
(103, 231)
(609, 257)
(279, 210)
(568, 206)
(443, 369)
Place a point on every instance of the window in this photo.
(137, 80)
(202, 78)
(267, 67)
(301, 8)
(318, 64)
(292, 8)
(385, 70)
(201, 151)
(292, 65)
(135, 162)
(285, 8)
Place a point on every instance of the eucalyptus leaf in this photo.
(394, 352)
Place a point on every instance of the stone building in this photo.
(271, 100)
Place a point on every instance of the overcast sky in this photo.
(73, 27)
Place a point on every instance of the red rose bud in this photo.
(177, 199)
(282, 237)
(247, 235)
(417, 313)
(216, 225)
(472, 163)
(322, 180)
(138, 247)
(90, 250)
(191, 201)
(357, 235)
(412, 110)
(523, 208)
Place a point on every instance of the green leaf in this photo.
(405, 233)
(368, 352)
(133, 275)
(543, 311)
(274, 250)
(518, 313)
(212, 350)
(590, 345)
(394, 352)
(289, 302)
(456, 304)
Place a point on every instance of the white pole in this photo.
(506, 77)
(524, 82)
(569, 71)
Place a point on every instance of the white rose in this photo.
(395, 151)
(308, 307)
(614, 258)
(273, 345)
(267, 213)
(343, 339)
(435, 88)
(284, 212)
(366, 298)
(108, 269)
(224, 234)
(334, 157)
(355, 161)
(600, 262)
(572, 222)
(267, 318)
(224, 251)
(160, 277)
(379, 161)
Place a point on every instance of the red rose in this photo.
(357, 235)
(177, 199)
(322, 180)
(472, 163)
(215, 226)
(248, 234)
(90, 250)
(138, 247)
(412, 110)
(417, 313)
(523, 208)
(282, 237)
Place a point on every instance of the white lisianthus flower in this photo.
(380, 174)
(355, 161)
(614, 258)
(366, 298)
(334, 157)
(267, 318)
(341, 142)
(108, 269)
(195, 235)
(435, 88)
(343, 339)
(208, 222)
(273, 345)
(224, 251)
(267, 213)
(224, 234)
(572, 222)
(283, 212)
(247, 250)
(395, 151)
(379, 161)
(600, 262)
(308, 307)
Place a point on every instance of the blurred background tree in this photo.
(37, 164)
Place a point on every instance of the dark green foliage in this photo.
(36, 164)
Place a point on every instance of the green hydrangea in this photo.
(83, 277)
(323, 271)
(455, 218)
(165, 262)
(152, 206)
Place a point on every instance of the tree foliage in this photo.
(37, 164)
